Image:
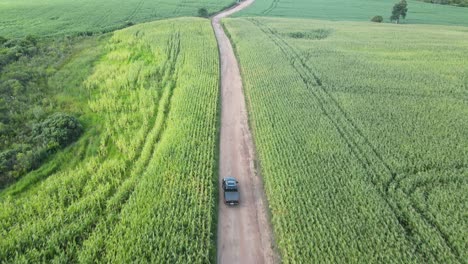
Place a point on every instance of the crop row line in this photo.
(272, 6)
(136, 10)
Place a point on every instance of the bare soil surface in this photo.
(244, 231)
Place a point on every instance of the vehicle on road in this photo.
(231, 192)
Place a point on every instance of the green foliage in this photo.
(361, 141)
(58, 130)
(313, 34)
(399, 10)
(202, 12)
(54, 133)
(19, 18)
(27, 96)
(14, 49)
(9, 160)
(140, 182)
(354, 10)
(377, 19)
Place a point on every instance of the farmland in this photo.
(56, 17)
(357, 10)
(350, 145)
(139, 184)
(360, 131)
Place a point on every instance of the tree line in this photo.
(461, 3)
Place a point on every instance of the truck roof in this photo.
(230, 182)
(230, 179)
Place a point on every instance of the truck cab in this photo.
(231, 192)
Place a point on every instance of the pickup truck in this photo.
(231, 192)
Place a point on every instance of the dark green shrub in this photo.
(7, 161)
(57, 131)
(31, 40)
(54, 133)
(297, 35)
(12, 163)
(377, 19)
(202, 12)
(315, 34)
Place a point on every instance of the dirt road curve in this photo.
(244, 233)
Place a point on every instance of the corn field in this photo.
(361, 134)
(140, 185)
(20, 18)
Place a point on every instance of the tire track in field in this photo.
(136, 10)
(307, 78)
(424, 211)
(358, 143)
(368, 165)
(117, 201)
(273, 5)
(83, 228)
(244, 232)
(120, 198)
(102, 18)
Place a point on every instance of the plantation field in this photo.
(360, 132)
(358, 10)
(55, 17)
(139, 184)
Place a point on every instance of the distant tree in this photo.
(377, 19)
(202, 12)
(399, 10)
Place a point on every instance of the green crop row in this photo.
(142, 188)
(361, 137)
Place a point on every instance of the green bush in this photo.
(13, 49)
(18, 161)
(7, 163)
(54, 133)
(377, 19)
(315, 34)
(202, 12)
(57, 131)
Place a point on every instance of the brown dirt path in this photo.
(244, 232)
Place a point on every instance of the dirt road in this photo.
(244, 233)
